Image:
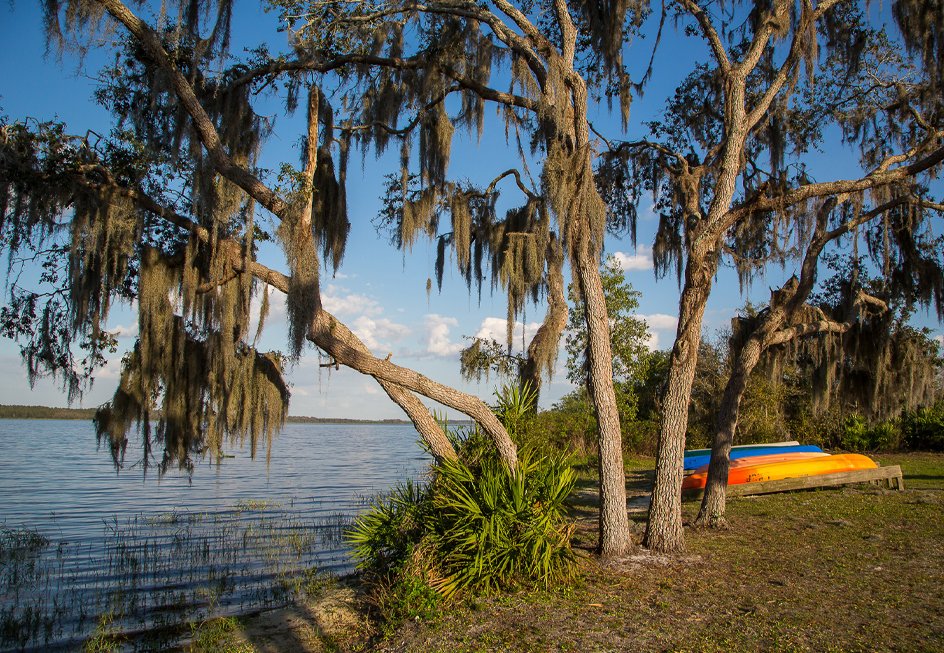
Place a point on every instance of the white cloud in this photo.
(437, 335)
(659, 322)
(377, 333)
(111, 369)
(641, 260)
(494, 328)
(122, 331)
(336, 301)
(940, 340)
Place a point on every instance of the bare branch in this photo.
(808, 329)
(709, 32)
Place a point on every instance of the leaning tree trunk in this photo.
(614, 520)
(426, 425)
(664, 531)
(430, 431)
(711, 513)
(338, 341)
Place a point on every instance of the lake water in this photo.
(81, 540)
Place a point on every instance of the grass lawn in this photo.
(849, 569)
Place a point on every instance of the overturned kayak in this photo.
(791, 469)
(769, 458)
(701, 452)
(694, 462)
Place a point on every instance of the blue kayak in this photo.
(786, 443)
(694, 462)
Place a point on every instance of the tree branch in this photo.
(188, 98)
(710, 34)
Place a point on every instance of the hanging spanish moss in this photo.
(870, 362)
(203, 392)
(44, 173)
(329, 206)
(420, 216)
(569, 186)
(922, 26)
(303, 299)
(436, 132)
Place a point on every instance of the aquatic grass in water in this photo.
(153, 572)
(151, 556)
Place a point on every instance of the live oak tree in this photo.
(555, 58)
(725, 161)
(163, 210)
(369, 76)
(851, 334)
(728, 163)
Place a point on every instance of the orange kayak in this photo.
(767, 459)
(790, 469)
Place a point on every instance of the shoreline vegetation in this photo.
(14, 411)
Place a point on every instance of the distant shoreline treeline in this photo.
(49, 412)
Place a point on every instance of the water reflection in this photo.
(232, 536)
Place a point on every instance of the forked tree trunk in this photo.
(664, 531)
(426, 425)
(614, 520)
(711, 513)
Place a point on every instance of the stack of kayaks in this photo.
(755, 463)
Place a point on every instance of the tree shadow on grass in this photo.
(328, 623)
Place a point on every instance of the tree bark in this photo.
(664, 531)
(614, 521)
(711, 513)
(426, 425)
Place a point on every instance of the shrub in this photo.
(475, 527)
(923, 429)
(492, 528)
(859, 435)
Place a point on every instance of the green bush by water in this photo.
(474, 528)
(477, 526)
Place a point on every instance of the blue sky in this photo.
(379, 292)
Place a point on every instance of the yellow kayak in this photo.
(790, 469)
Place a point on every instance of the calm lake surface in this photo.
(81, 540)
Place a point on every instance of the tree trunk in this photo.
(614, 520)
(711, 514)
(439, 445)
(426, 425)
(664, 531)
(338, 341)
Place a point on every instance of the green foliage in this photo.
(492, 529)
(628, 334)
(475, 528)
(859, 435)
(923, 429)
(515, 408)
(569, 426)
(384, 537)
(107, 638)
(218, 636)
(408, 598)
